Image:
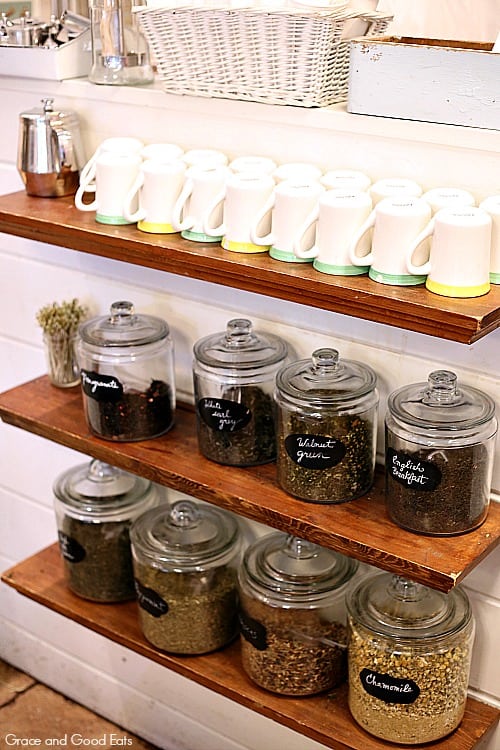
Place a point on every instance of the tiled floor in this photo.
(32, 711)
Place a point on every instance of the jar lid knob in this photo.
(442, 387)
(101, 472)
(184, 514)
(121, 312)
(299, 548)
(238, 332)
(325, 361)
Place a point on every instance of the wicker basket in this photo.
(293, 57)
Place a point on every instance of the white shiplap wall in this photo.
(161, 706)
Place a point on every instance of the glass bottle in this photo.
(439, 455)
(409, 658)
(293, 615)
(234, 374)
(120, 54)
(95, 503)
(127, 374)
(185, 560)
(326, 433)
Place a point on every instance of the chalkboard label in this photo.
(253, 631)
(71, 550)
(150, 601)
(223, 415)
(315, 451)
(389, 689)
(412, 472)
(101, 387)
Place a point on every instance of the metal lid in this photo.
(47, 113)
(96, 490)
(401, 609)
(239, 347)
(326, 379)
(441, 403)
(293, 569)
(123, 328)
(185, 536)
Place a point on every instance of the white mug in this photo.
(346, 179)
(115, 173)
(201, 186)
(448, 197)
(396, 222)
(389, 187)
(289, 203)
(155, 189)
(297, 170)
(254, 164)
(337, 216)
(162, 151)
(207, 156)
(116, 145)
(491, 204)
(243, 198)
(459, 262)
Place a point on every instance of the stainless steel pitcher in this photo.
(50, 153)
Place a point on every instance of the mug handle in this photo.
(361, 260)
(310, 252)
(221, 229)
(268, 238)
(425, 268)
(188, 222)
(140, 214)
(80, 205)
(87, 173)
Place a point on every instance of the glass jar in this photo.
(439, 440)
(293, 615)
(127, 374)
(326, 434)
(409, 658)
(185, 560)
(234, 374)
(95, 504)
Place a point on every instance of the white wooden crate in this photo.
(70, 60)
(434, 80)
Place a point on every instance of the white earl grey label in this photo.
(223, 415)
(389, 689)
(410, 471)
(315, 451)
(101, 387)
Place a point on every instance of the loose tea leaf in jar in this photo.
(135, 415)
(303, 654)
(348, 478)
(458, 498)
(245, 439)
(200, 612)
(97, 559)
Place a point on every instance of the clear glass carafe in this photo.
(127, 374)
(293, 614)
(234, 374)
(186, 557)
(120, 54)
(409, 658)
(439, 455)
(326, 433)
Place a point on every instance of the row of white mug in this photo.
(339, 220)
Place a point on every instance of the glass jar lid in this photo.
(295, 570)
(326, 379)
(395, 607)
(122, 327)
(185, 536)
(441, 403)
(98, 491)
(239, 347)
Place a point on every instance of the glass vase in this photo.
(60, 355)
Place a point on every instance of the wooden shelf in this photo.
(360, 529)
(58, 222)
(324, 718)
